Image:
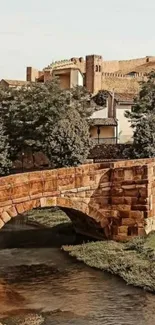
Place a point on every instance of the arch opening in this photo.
(84, 218)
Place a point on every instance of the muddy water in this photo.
(45, 286)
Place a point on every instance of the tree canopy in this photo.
(142, 118)
(43, 117)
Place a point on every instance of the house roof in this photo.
(15, 83)
(103, 121)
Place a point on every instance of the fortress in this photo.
(96, 74)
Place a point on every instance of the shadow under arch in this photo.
(83, 216)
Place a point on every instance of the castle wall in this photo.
(131, 64)
(110, 66)
(120, 85)
(125, 65)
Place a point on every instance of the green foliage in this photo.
(43, 117)
(142, 119)
(5, 162)
(69, 142)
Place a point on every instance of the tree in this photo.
(69, 143)
(101, 98)
(5, 162)
(31, 115)
(142, 118)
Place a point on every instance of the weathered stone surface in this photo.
(117, 197)
(12, 211)
(5, 217)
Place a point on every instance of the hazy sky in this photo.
(36, 32)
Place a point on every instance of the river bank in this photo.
(133, 261)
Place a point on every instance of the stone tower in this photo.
(93, 73)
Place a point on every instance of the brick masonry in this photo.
(113, 200)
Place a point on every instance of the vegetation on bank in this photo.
(133, 261)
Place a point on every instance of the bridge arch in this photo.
(100, 199)
(86, 219)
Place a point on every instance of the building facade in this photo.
(109, 124)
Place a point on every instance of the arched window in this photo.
(96, 68)
(99, 68)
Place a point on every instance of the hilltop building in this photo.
(96, 74)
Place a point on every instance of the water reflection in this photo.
(44, 280)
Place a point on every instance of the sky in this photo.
(37, 32)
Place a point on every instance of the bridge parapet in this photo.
(113, 200)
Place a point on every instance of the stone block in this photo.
(49, 186)
(124, 214)
(78, 181)
(141, 231)
(129, 187)
(89, 193)
(118, 200)
(12, 211)
(5, 217)
(83, 189)
(140, 207)
(1, 223)
(5, 195)
(36, 188)
(48, 202)
(20, 192)
(137, 215)
(123, 230)
(116, 191)
(118, 173)
(121, 207)
(131, 192)
(128, 222)
(51, 202)
(20, 208)
(128, 174)
(31, 204)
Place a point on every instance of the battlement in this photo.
(126, 76)
(57, 64)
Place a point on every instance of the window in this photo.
(99, 68)
(96, 68)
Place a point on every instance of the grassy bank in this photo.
(133, 261)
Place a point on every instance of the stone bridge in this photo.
(113, 200)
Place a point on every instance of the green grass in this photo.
(47, 217)
(134, 261)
